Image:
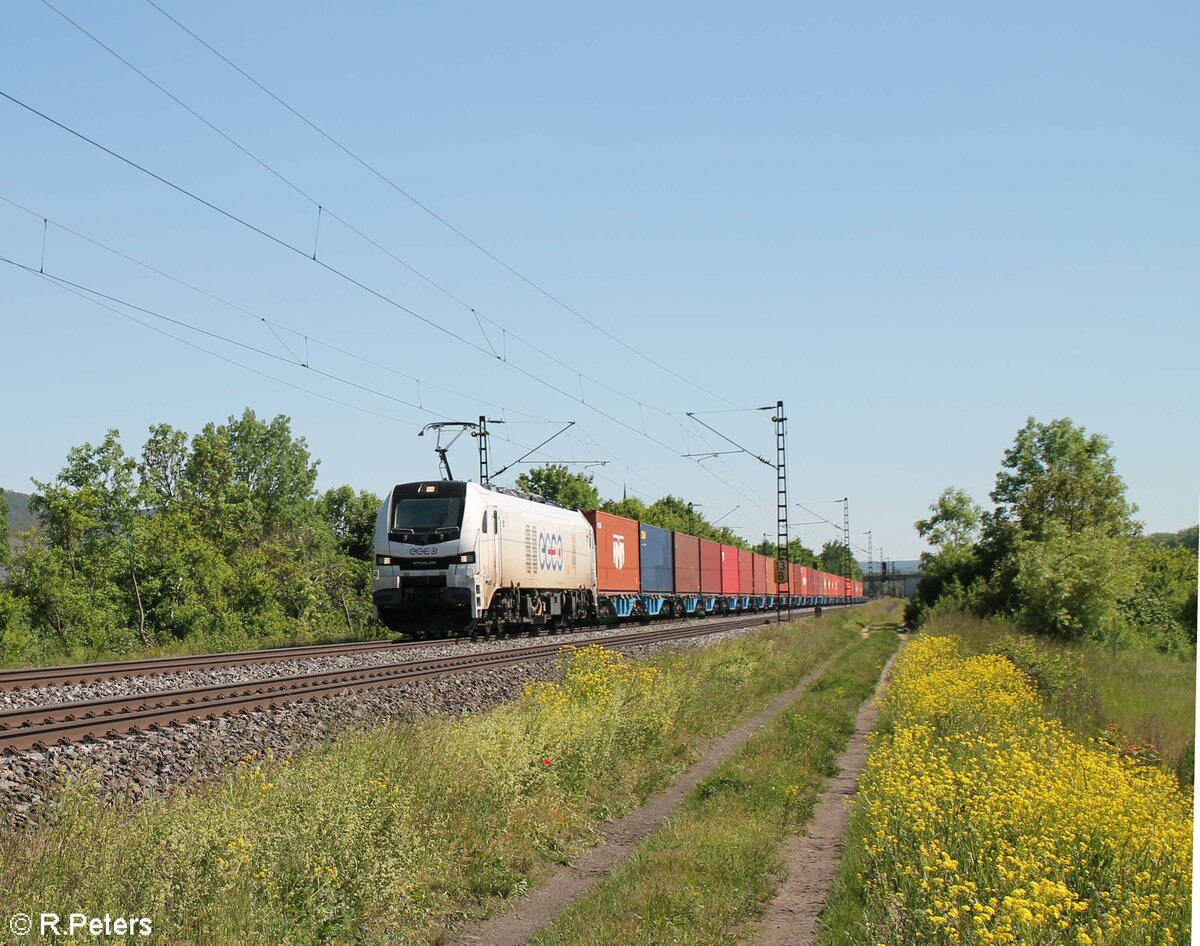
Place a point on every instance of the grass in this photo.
(981, 819)
(1141, 699)
(706, 876)
(392, 834)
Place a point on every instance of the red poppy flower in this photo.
(545, 761)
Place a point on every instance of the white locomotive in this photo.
(453, 555)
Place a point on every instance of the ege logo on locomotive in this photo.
(423, 550)
(618, 552)
(550, 551)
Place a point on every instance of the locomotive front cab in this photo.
(424, 566)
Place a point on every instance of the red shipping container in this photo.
(618, 552)
(687, 564)
(762, 569)
(730, 580)
(710, 567)
(745, 572)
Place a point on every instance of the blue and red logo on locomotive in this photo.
(550, 552)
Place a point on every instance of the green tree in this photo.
(1161, 606)
(954, 520)
(1071, 582)
(558, 484)
(351, 516)
(629, 507)
(798, 554)
(835, 559)
(163, 464)
(1057, 473)
(250, 475)
(91, 502)
(220, 542)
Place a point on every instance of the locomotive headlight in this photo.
(383, 560)
(466, 558)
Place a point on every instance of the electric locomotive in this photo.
(457, 556)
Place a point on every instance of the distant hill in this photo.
(19, 516)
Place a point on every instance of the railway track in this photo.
(27, 728)
(30, 677)
(27, 677)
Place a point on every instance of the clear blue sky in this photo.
(916, 225)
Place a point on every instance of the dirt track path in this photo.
(565, 884)
(793, 917)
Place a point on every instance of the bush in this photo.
(1070, 584)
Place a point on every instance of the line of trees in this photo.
(214, 541)
(1061, 550)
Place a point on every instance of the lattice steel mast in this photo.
(783, 571)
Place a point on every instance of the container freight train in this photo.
(455, 556)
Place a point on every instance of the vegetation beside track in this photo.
(706, 875)
(392, 833)
(1139, 701)
(982, 820)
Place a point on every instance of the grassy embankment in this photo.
(392, 833)
(1140, 699)
(706, 875)
(982, 818)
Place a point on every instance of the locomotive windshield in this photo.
(440, 512)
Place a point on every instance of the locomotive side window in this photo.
(440, 513)
(485, 522)
(495, 522)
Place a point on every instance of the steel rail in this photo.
(38, 727)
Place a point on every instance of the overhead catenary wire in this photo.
(305, 363)
(334, 270)
(432, 213)
(322, 210)
(89, 291)
(83, 294)
(271, 324)
(95, 296)
(233, 361)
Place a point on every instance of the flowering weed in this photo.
(980, 820)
